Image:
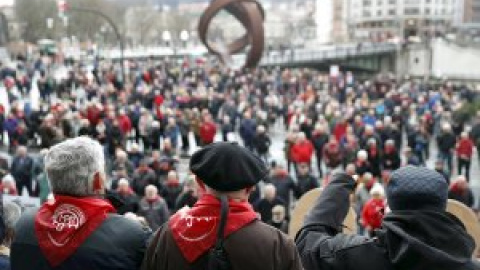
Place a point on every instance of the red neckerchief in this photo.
(195, 229)
(63, 226)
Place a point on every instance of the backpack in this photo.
(217, 256)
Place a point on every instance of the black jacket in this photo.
(391, 161)
(262, 143)
(264, 207)
(413, 240)
(319, 141)
(446, 142)
(22, 169)
(117, 244)
(305, 183)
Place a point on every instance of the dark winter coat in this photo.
(257, 246)
(446, 142)
(262, 143)
(264, 207)
(413, 240)
(155, 213)
(391, 161)
(22, 169)
(319, 141)
(117, 244)
(284, 185)
(141, 179)
(305, 183)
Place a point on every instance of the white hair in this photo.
(269, 189)
(123, 182)
(8, 179)
(362, 154)
(72, 164)
(151, 188)
(378, 190)
(261, 129)
(172, 174)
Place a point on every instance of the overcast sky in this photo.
(6, 3)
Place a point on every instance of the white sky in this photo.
(4, 3)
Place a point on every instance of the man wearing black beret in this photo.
(417, 234)
(221, 231)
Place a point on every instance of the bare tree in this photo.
(86, 26)
(33, 14)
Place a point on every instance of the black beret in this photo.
(227, 167)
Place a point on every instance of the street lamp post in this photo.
(167, 37)
(50, 22)
(184, 36)
(115, 30)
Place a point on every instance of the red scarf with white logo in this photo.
(63, 226)
(195, 229)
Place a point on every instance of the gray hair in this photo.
(72, 164)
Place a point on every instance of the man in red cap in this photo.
(222, 231)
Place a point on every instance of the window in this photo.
(427, 11)
(366, 13)
(379, 12)
(367, 3)
(412, 11)
(392, 12)
(392, 2)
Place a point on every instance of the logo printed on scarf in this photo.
(68, 216)
(190, 221)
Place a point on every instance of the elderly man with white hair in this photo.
(153, 208)
(79, 229)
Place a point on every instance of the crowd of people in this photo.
(145, 124)
(151, 121)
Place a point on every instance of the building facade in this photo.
(385, 19)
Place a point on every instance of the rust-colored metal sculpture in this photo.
(251, 15)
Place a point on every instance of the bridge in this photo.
(366, 57)
(363, 57)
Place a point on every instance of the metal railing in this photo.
(303, 56)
